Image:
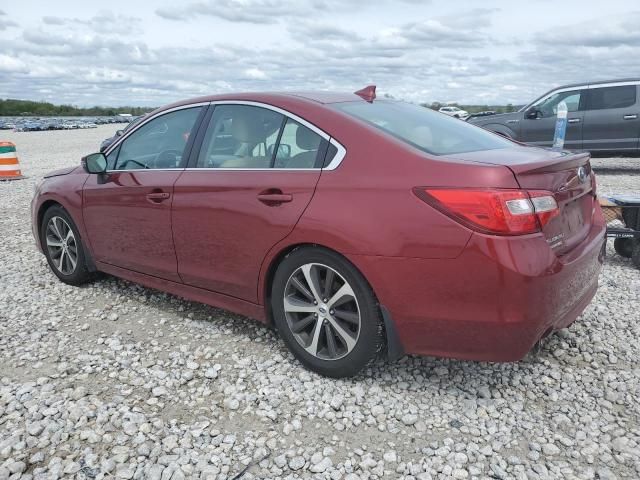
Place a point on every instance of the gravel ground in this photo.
(117, 381)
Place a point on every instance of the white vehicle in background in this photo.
(454, 112)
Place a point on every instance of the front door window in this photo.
(159, 143)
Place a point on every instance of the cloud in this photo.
(255, 74)
(104, 22)
(250, 11)
(5, 22)
(411, 52)
(608, 32)
(10, 64)
(266, 11)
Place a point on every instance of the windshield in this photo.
(430, 131)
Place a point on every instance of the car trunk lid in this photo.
(566, 175)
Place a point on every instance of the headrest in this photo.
(307, 139)
(248, 129)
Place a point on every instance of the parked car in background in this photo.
(356, 226)
(603, 116)
(108, 141)
(454, 112)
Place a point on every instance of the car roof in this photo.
(277, 99)
(267, 97)
(600, 82)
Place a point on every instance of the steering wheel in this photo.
(131, 160)
(168, 158)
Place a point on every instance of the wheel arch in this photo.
(392, 346)
(52, 202)
(46, 205)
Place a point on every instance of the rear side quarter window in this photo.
(611, 97)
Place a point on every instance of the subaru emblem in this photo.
(582, 174)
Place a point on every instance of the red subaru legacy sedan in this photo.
(356, 226)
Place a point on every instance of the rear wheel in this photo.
(63, 247)
(623, 247)
(326, 312)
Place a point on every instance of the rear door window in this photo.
(611, 97)
(252, 137)
(240, 136)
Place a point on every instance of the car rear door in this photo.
(539, 130)
(612, 118)
(250, 178)
(127, 211)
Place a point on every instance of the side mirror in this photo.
(284, 150)
(95, 163)
(533, 113)
(119, 133)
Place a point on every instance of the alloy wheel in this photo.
(322, 311)
(61, 245)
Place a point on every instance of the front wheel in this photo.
(326, 312)
(62, 246)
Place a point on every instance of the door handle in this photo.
(275, 197)
(630, 117)
(157, 197)
(574, 120)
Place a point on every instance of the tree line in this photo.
(15, 108)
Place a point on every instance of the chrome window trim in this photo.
(614, 84)
(209, 169)
(337, 159)
(335, 162)
(145, 170)
(279, 110)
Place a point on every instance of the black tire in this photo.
(370, 339)
(79, 274)
(635, 254)
(623, 247)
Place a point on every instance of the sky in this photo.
(150, 53)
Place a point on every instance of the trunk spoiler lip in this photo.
(553, 164)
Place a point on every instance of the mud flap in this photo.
(394, 347)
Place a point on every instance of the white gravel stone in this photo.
(296, 463)
(113, 380)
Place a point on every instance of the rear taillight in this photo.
(498, 212)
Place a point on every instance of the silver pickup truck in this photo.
(603, 116)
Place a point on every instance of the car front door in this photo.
(127, 211)
(254, 175)
(612, 118)
(539, 121)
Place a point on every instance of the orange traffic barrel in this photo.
(9, 165)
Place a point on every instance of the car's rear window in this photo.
(430, 131)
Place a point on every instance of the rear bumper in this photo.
(494, 301)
